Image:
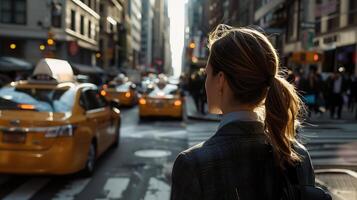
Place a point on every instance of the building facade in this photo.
(146, 53)
(112, 18)
(336, 34)
(61, 29)
(134, 13)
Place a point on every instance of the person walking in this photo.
(254, 152)
(337, 87)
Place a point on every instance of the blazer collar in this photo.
(250, 130)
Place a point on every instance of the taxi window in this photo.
(123, 87)
(168, 90)
(91, 99)
(36, 99)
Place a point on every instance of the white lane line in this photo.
(157, 190)
(72, 189)
(28, 189)
(114, 187)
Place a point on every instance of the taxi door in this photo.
(98, 117)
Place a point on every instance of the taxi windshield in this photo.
(123, 87)
(36, 99)
(168, 91)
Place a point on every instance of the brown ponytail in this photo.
(282, 107)
(251, 66)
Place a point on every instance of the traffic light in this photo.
(316, 57)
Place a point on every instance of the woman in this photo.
(255, 142)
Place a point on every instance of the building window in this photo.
(317, 25)
(82, 25)
(334, 18)
(89, 29)
(90, 3)
(352, 14)
(95, 5)
(73, 20)
(13, 11)
(56, 12)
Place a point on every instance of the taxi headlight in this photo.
(59, 131)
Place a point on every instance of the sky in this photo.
(177, 34)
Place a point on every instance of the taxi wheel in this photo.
(89, 168)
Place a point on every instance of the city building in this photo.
(134, 34)
(112, 17)
(336, 34)
(167, 68)
(158, 35)
(146, 53)
(61, 29)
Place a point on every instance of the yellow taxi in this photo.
(163, 100)
(125, 93)
(49, 124)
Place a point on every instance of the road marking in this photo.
(114, 187)
(28, 189)
(157, 190)
(72, 189)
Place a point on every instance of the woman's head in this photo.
(243, 72)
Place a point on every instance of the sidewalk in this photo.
(347, 116)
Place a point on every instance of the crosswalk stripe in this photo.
(157, 190)
(114, 187)
(72, 189)
(28, 189)
(324, 153)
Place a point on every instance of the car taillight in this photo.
(59, 131)
(26, 107)
(178, 103)
(127, 94)
(142, 101)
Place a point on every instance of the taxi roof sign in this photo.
(54, 69)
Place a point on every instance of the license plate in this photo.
(13, 137)
(159, 104)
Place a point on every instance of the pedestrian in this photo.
(251, 152)
(195, 90)
(337, 86)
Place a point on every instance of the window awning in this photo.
(86, 69)
(11, 64)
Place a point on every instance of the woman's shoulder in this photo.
(306, 168)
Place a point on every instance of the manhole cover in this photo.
(152, 153)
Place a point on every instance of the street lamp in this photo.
(12, 46)
(192, 45)
(42, 47)
(50, 42)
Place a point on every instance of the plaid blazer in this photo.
(235, 163)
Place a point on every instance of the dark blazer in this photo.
(235, 163)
